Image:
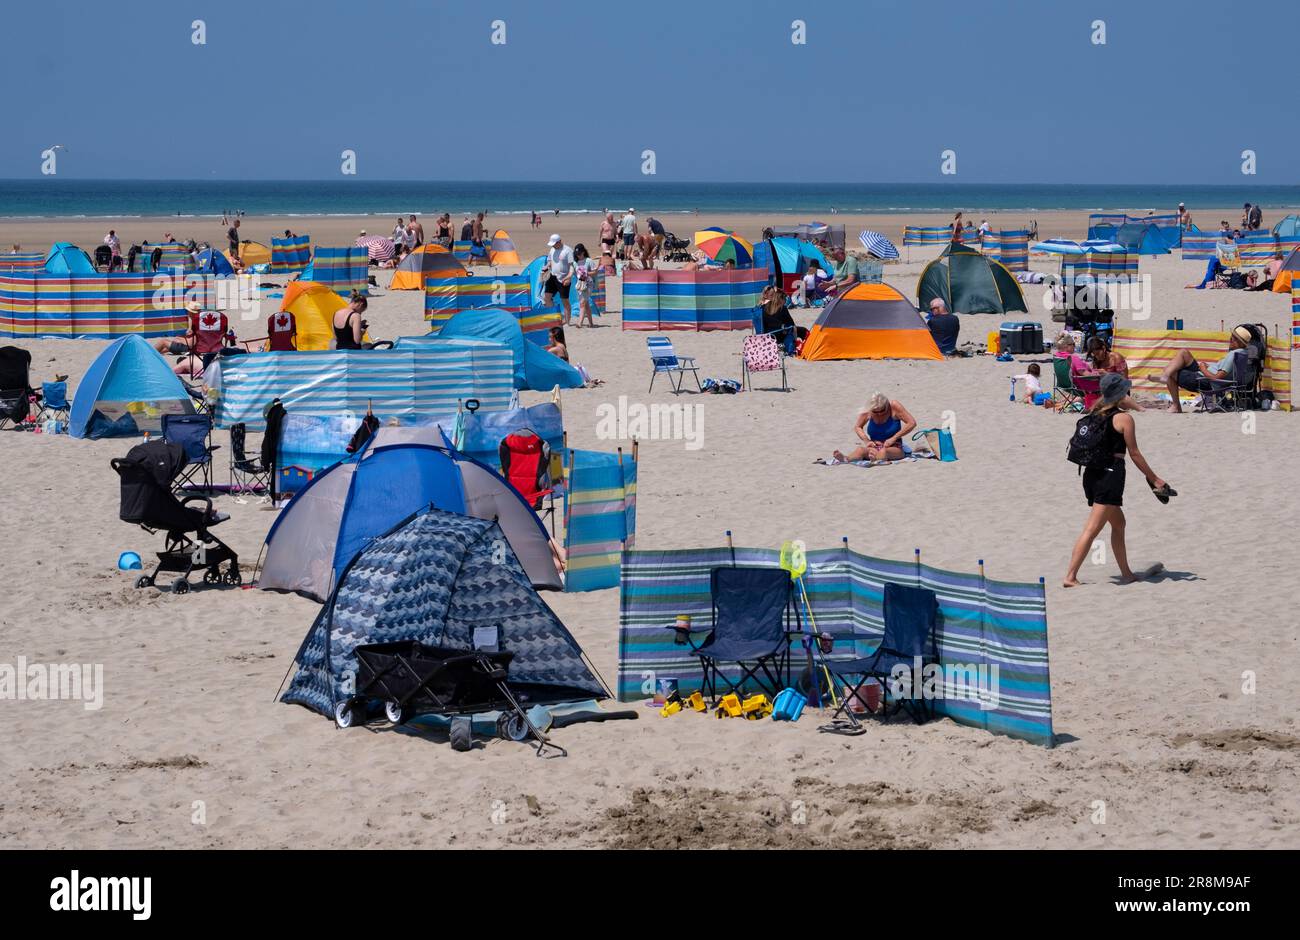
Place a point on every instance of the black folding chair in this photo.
(911, 616)
(751, 620)
(194, 434)
(246, 473)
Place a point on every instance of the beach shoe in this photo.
(1163, 493)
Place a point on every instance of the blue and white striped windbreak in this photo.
(878, 245)
(1060, 246)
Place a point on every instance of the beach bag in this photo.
(940, 442)
(1088, 443)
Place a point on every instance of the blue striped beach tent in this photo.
(358, 499)
(439, 578)
(599, 516)
(992, 635)
(878, 245)
(410, 383)
(342, 270)
(290, 254)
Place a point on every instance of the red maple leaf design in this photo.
(209, 319)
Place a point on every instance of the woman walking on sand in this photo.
(1103, 478)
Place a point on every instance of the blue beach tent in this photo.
(535, 368)
(67, 258)
(1141, 239)
(126, 391)
(344, 507)
(212, 261)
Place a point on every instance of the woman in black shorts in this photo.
(1104, 485)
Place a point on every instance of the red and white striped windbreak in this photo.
(380, 247)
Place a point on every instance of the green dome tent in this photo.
(968, 282)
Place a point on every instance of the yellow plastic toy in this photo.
(671, 707)
(729, 707)
(756, 707)
(696, 701)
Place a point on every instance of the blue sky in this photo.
(717, 90)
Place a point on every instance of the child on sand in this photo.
(1033, 385)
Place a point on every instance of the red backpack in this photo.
(526, 465)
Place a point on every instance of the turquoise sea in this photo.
(55, 198)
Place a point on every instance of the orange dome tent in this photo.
(252, 253)
(502, 249)
(426, 261)
(870, 321)
(313, 306)
(1286, 275)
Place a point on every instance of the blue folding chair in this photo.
(55, 402)
(751, 627)
(666, 361)
(194, 434)
(911, 616)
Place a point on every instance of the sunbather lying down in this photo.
(882, 427)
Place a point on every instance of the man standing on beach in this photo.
(557, 275)
(466, 229)
(416, 232)
(628, 228)
(233, 236)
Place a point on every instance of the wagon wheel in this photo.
(395, 712)
(180, 586)
(343, 714)
(511, 726)
(461, 735)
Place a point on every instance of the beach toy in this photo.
(129, 561)
(696, 701)
(788, 705)
(1042, 398)
(756, 707)
(671, 708)
(1013, 387)
(729, 707)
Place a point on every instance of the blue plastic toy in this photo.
(128, 561)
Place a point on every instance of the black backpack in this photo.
(1090, 445)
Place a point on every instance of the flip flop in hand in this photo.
(1162, 492)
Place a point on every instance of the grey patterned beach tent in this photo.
(440, 579)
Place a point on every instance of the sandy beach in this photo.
(190, 748)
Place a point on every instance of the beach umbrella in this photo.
(1102, 244)
(721, 245)
(878, 245)
(380, 247)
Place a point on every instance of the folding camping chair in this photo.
(1069, 397)
(526, 465)
(55, 402)
(762, 353)
(1241, 391)
(911, 614)
(246, 473)
(666, 361)
(750, 627)
(194, 434)
(16, 392)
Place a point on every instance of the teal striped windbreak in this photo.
(982, 623)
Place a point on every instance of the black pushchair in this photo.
(675, 249)
(16, 392)
(413, 679)
(147, 472)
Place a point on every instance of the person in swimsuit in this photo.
(1104, 485)
(607, 233)
(348, 325)
(882, 427)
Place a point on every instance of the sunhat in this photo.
(1243, 334)
(553, 240)
(1114, 387)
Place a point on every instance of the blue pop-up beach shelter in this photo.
(535, 368)
(67, 258)
(1141, 239)
(126, 391)
(212, 261)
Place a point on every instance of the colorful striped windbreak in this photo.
(424, 381)
(599, 517)
(1257, 248)
(342, 270)
(173, 256)
(88, 306)
(444, 297)
(926, 235)
(460, 250)
(1295, 317)
(1148, 352)
(1199, 246)
(290, 254)
(997, 625)
(1010, 246)
(1109, 265)
(715, 299)
(22, 262)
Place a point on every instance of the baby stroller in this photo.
(147, 472)
(16, 393)
(675, 248)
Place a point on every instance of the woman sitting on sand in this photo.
(558, 346)
(882, 427)
(1104, 485)
(348, 325)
